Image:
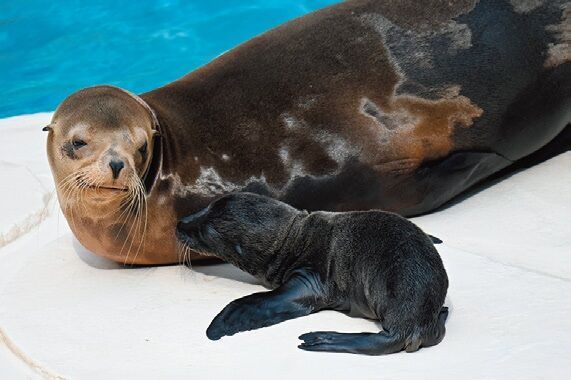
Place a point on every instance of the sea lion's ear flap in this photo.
(47, 128)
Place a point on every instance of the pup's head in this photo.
(241, 228)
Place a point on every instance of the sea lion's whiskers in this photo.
(184, 249)
(184, 253)
(142, 206)
(131, 213)
(146, 208)
(85, 183)
(69, 189)
(67, 184)
(187, 255)
(113, 210)
(123, 218)
(72, 181)
(135, 225)
(126, 205)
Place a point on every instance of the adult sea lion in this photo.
(373, 264)
(360, 105)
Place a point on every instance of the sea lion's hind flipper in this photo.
(356, 343)
(438, 332)
(299, 296)
(374, 344)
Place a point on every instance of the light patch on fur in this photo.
(416, 128)
(295, 168)
(337, 148)
(284, 155)
(410, 125)
(225, 157)
(399, 119)
(452, 91)
(290, 121)
(460, 36)
(415, 44)
(209, 183)
(526, 6)
(560, 52)
(382, 26)
(77, 130)
(307, 102)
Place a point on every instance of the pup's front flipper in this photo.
(300, 295)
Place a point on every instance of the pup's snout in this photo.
(192, 222)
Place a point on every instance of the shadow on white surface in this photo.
(93, 260)
(226, 271)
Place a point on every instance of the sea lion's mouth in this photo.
(109, 188)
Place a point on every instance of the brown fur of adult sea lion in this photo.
(357, 106)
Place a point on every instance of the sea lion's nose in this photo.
(116, 167)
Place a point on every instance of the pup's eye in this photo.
(143, 150)
(78, 143)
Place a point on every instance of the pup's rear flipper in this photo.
(373, 344)
(438, 332)
(360, 343)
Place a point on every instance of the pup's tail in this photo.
(374, 344)
(435, 240)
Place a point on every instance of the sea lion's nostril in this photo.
(116, 167)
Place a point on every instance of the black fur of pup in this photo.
(372, 264)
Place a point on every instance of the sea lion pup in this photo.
(371, 264)
(361, 105)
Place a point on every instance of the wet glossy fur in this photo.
(371, 264)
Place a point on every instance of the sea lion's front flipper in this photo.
(299, 296)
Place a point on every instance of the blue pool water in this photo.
(48, 49)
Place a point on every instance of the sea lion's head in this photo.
(99, 146)
(241, 228)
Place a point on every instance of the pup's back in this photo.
(387, 268)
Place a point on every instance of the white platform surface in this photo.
(66, 313)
